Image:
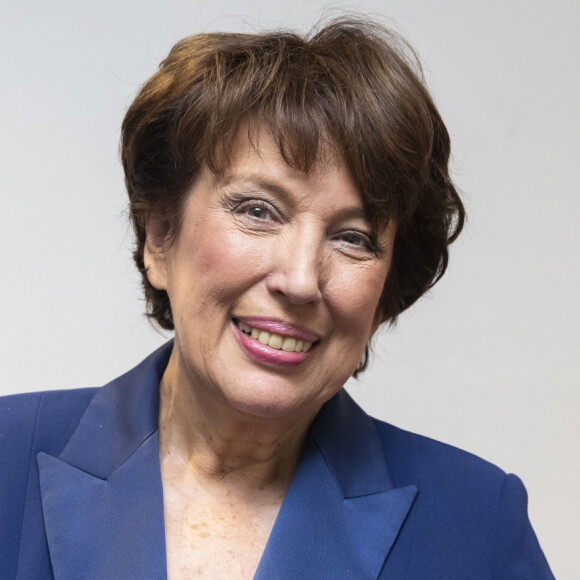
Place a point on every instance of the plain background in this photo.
(488, 361)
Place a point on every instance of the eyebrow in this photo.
(349, 212)
(256, 180)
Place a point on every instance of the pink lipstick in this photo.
(272, 341)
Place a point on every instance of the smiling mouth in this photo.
(276, 341)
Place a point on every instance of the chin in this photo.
(272, 403)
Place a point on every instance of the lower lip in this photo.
(265, 354)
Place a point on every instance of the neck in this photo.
(215, 444)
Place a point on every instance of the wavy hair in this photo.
(352, 85)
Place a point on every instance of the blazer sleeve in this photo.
(18, 415)
(517, 553)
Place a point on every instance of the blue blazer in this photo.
(81, 496)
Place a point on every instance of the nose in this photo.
(297, 269)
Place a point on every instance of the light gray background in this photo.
(487, 362)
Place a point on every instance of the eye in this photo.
(357, 241)
(354, 239)
(258, 212)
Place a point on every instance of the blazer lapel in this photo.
(342, 514)
(102, 498)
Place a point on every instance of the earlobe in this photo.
(155, 252)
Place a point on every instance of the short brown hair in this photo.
(352, 85)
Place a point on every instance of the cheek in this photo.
(226, 262)
(356, 299)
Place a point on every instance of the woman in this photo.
(288, 196)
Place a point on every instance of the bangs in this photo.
(317, 107)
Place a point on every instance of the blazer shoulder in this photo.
(416, 457)
(42, 421)
(47, 416)
(30, 423)
(477, 510)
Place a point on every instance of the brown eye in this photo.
(258, 212)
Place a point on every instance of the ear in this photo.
(155, 251)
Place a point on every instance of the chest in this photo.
(209, 537)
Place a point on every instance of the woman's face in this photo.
(267, 261)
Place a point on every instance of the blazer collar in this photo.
(102, 498)
(342, 513)
(121, 416)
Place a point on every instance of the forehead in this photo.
(257, 159)
(327, 190)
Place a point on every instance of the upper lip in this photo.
(278, 326)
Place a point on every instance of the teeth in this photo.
(276, 341)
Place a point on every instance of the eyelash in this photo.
(366, 241)
(243, 206)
